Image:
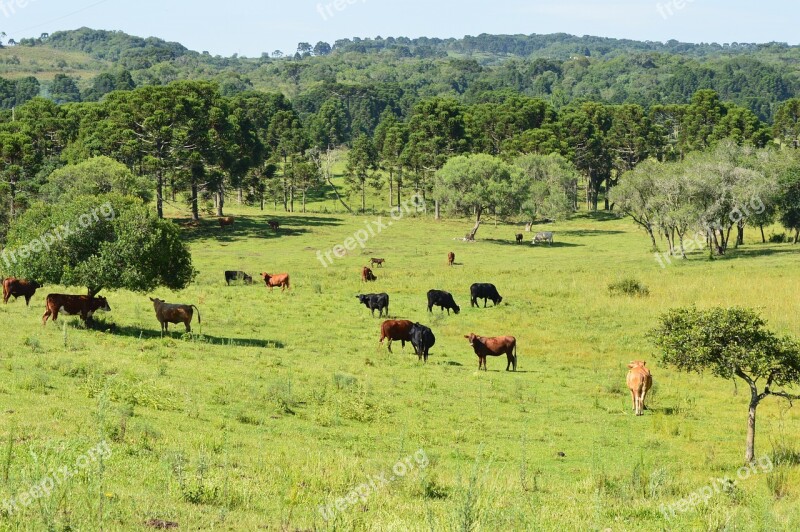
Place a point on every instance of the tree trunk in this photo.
(13, 197)
(391, 187)
(220, 202)
(471, 234)
(437, 207)
(796, 235)
(652, 237)
(763, 239)
(304, 200)
(363, 195)
(239, 196)
(160, 194)
(338, 197)
(195, 209)
(291, 197)
(750, 452)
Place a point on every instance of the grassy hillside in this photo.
(45, 62)
(283, 402)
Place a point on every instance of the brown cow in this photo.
(639, 382)
(167, 313)
(494, 347)
(279, 279)
(451, 258)
(72, 305)
(396, 330)
(367, 275)
(379, 262)
(274, 225)
(519, 238)
(226, 220)
(19, 287)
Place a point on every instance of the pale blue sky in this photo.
(249, 27)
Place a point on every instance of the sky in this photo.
(250, 27)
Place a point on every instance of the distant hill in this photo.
(558, 67)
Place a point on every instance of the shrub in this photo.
(629, 287)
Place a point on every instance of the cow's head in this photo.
(36, 285)
(498, 300)
(471, 338)
(265, 276)
(157, 302)
(362, 298)
(456, 308)
(637, 364)
(101, 303)
(248, 279)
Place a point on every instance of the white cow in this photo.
(546, 236)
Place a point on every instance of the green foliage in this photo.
(99, 242)
(628, 287)
(94, 177)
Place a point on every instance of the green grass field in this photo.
(284, 402)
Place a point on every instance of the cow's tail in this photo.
(198, 313)
(515, 355)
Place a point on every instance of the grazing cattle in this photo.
(396, 330)
(231, 275)
(639, 382)
(483, 291)
(367, 275)
(167, 313)
(279, 279)
(274, 225)
(373, 302)
(494, 347)
(451, 258)
(442, 299)
(519, 238)
(422, 339)
(72, 305)
(225, 221)
(546, 236)
(19, 287)
(373, 261)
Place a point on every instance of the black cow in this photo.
(443, 299)
(484, 291)
(422, 339)
(373, 302)
(237, 276)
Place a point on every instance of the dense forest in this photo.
(192, 129)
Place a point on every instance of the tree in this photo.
(552, 185)
(106, 242)
(362, 161)
(63, 89)
(93, 177)
(636, 194)
(731, 342)
(789, 201)
(477, 183)
(322, 48)
(787, 123)
(17, 159)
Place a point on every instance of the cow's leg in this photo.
(402, 344)
(484, 302)
(45, 316)
(188, 326)
(633, 399)
(389, 345)
(27, 301)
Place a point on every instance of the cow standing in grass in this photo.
(639, 381)
(226, 221)
(279, 279)
(494, 347)
(167, 313)
(367, 275)
(72, 305)
(396, 330)
(13, 287)
(451, 258)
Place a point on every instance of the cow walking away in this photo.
(422, 339)
(396, 330)
(232, 275)
(367, 275)
(167, 313)
(494, 347)
(639, 381)
(442, 299)
(279, 279)
(73, 305)
(484, 291)
(373, 302)
(376, 262)
(13, 287)
(546, 236)
(451, 258)
(226, 221)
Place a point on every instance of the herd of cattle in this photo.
(421, 337)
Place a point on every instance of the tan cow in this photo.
(279, 279)
(451, 258)
(225, 221)
(167, 313)
(639, 382)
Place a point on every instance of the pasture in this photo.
(283, 402)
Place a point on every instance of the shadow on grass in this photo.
(555, 244)
(253, 227)
(196, 336)
(588, 232)
(755, 252)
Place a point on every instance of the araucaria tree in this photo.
(731, 342)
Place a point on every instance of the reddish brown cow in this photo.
(396, 330)
(19, 287)
(167, 313)
(494, 347)
(279, 279)
(451, 258)
(376, 262)
(225, 221)
(72, 305)
(367, 275)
